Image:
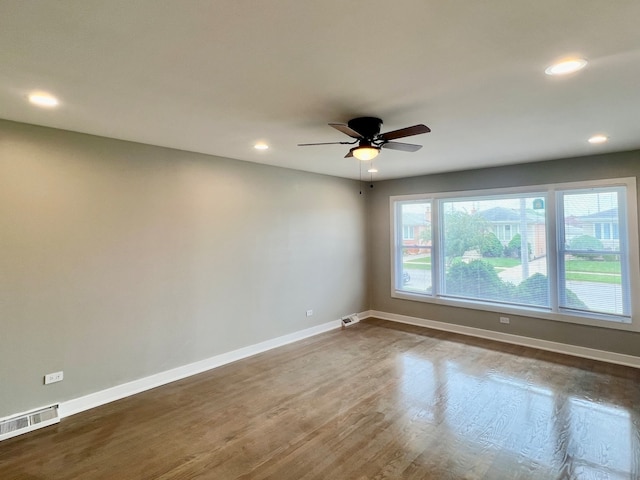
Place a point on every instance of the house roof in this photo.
(610, 214)
(501, 214)
(414, 219)
(218, 77)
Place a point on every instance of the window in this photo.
(478, 267)
(407, 232)
(565, 252)
(607, 231)
(591, 273)
(414, 264)
(505, 233)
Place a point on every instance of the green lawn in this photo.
(420, 263)
(593, 277)
(418, 260)
(578, 270)
(593, 271)
(592, 266)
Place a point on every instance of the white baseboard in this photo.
(576, 351)
(118, 392)
(102, 397)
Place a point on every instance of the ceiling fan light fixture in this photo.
(366, 153)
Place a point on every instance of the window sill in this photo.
(593, 320)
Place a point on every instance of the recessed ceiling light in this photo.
(43, 99)
(261, 146)
(566, 66)
(373, 170)
(598, 139)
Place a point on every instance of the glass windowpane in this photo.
(415, 265)
(593, 284)
(592, 261)
(482, 265)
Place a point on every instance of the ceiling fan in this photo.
(366, 132)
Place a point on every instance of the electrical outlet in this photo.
(53, 377)
(504, 320)
(309, 313)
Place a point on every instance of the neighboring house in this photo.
(415, 228)
(603, 226)
(572, 228)
(506, 223)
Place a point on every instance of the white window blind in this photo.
(567, 251)
(591, 258)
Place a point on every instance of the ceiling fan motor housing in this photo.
(368, 127)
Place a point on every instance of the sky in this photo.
(576, 204)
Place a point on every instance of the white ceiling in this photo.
(217, 76)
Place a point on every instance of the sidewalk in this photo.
(514, 274)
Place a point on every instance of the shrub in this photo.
(490, 246)
(573, 301)
(535, 291)
(586, 242)
(513, 249)
(477, 279)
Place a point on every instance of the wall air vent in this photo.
(27, 422)
(350, 320)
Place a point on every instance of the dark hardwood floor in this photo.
(377, 400)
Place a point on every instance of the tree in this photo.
(463, 231)
(425, 234)
(490, 245)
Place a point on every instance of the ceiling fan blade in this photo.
(350, 154)
(405, 132)
(324, 143)
(403, 147)
(344, 128)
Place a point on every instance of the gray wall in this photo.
(120, 260)
(625, 164)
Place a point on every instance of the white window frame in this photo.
(398, 235)
(550, 192)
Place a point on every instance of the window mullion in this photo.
(398, 235)
(555, 250)
(623, 249)
(436, 255)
